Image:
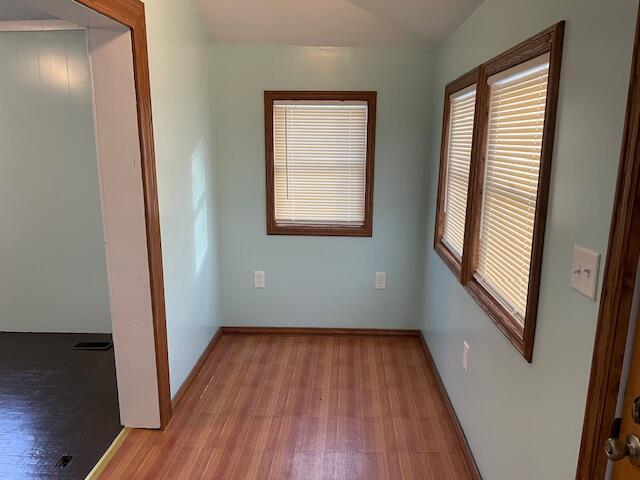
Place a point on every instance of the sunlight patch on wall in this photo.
(198, 189)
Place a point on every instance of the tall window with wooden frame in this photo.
(319, 162)
(455, 164)
(511, 155)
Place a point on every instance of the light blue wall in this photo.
(180, 96)
(524, 421)
(321, 281)
(53, 275)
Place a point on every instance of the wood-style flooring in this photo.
(303, 407)
(55, 401)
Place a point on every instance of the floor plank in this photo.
(55, 401)
(303, 407)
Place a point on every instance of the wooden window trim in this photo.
(366, 230)
(450, 259)
(547, 41)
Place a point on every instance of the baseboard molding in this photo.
(319, 331)
(96, 471)
(469, 461)
(195, 370)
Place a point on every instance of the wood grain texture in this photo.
(450, 259)
(548, 41)
(321, 331)
(273, 228)
(55, 401)
(624, 469)
(617, 290)
(97, 470)
(304, 407)
(195, 370)
(470, 462)
(131, 14)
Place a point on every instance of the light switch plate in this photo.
(381, 280)
(258, 279)
(584, 271)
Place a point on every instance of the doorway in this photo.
(58, 395)
(125, 203)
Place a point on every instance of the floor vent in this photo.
(64, 461)
(92, 346)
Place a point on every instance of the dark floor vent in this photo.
(92, 346)
(64, 461)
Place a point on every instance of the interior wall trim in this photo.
(319, 331)
(618, 283)
(195, 370)
(97, 470)
(469, 461)
(467, 455)
(131, 14)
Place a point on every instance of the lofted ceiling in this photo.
(357, 23)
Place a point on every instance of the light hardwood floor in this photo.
(303, 407)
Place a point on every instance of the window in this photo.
(319, 152)
(455, 163)
(510, 165)
(517, 104)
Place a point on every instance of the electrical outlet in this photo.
(258, 279)
(381, 280)
(465, 356)
(584, 271)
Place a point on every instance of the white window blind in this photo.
(461, 116)
(320, 156)
(517, 100)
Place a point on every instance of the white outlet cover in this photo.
(465, 356)
(381, 280)
(584, 271)
(258, 279)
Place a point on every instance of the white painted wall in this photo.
(524, 421)
(180, 96)
(52, 259)
(124, 220)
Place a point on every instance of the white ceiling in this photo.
(358, 23)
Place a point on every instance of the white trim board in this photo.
(37, 25)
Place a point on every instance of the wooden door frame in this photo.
(617, 289)
(131, 14)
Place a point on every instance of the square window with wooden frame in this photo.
(455, 163)
(319, 162)
(505, 215)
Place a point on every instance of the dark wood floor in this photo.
(54, 401)
(303, 407)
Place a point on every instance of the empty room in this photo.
(348, 239)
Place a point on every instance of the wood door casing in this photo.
(624, 469)
(623, 253)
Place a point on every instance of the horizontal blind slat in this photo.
(458, 156)
(320, 154)
(517, 103)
